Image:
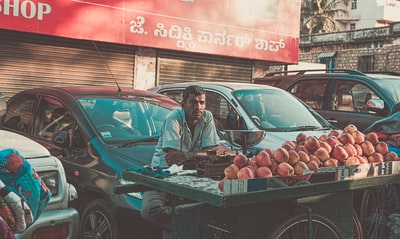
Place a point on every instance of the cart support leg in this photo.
(310, 221)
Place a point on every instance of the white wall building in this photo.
(369, 14)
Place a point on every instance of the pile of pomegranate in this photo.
(308, 153)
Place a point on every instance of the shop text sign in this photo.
(254, 29)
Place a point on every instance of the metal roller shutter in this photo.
(185, 67)
(30, 60)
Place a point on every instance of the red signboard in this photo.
(254, 29)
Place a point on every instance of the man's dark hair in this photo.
(192, 89)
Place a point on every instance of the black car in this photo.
(342, 96)
(96, 132)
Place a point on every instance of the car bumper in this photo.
(54, 222)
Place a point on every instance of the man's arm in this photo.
(179, 157)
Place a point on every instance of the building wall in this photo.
(369, 14)
(381, 43)
(366, 10)
(385, 59)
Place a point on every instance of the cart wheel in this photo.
(357, 228)
(376, 205)
(298, 227)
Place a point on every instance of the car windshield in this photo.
(276, 110)
(391, 88)
(119, 120)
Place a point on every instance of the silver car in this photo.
(245, 106)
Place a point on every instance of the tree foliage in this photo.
(318, 15)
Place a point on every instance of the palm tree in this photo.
(318, 15)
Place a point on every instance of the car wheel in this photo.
(97, 221)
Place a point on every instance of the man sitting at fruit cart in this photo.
(184, 132)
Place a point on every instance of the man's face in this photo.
(194, 106)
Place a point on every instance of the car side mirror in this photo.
(375, 104)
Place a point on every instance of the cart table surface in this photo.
(205, 190)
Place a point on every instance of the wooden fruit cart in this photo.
(327, 205)
(276, 212)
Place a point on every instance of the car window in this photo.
(119, 120)
(310, 91)
(51, 116)
(391, 88)
(215, 103)
(221, 110)
(19, 114)
(176, 95)
(275, 109)
(254, 105)
(352, 96)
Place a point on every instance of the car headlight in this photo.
(138, 195)
(51, 180)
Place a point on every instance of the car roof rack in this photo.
(392, 73)
(302, 72)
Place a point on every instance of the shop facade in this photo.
(42, 44)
